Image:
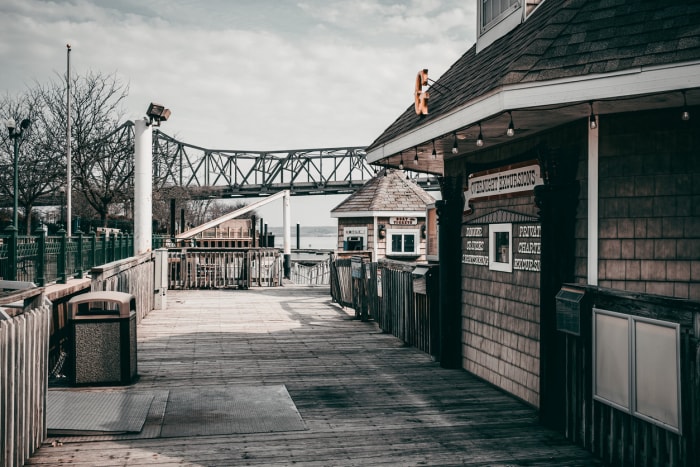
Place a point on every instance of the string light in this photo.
(415, 159)
(592, 121)
(685, 116)
(434, 154)
(401, 161)
(455, 146)
(480, 138)
(511, 127)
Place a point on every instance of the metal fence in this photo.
(204, 268)
(42, 259)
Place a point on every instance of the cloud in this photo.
(341, 74)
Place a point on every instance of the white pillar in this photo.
(143, 186)
(287, 223)
(593, 204)
(375, 242)
(287, 226)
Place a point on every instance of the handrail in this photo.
(43, 259)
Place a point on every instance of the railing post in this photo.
(40, 262)
(12, 252)
(113, 250)
(62, 258)
(79, 259)
(93, 249)
(105, 240)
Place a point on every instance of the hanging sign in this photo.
(502, 182)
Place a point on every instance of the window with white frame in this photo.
(493, 11)
(402, 242)
(501, 247)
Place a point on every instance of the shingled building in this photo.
(386, 218)
(568, 139)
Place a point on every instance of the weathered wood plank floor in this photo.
(365, 398)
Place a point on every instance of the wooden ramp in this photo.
(364, 397)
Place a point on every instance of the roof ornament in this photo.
(421, 92)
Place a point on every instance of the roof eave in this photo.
(622, 84)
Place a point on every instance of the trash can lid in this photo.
(122, 299)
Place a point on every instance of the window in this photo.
(501, 247)
(636, 367)
(493, 11)
(402, 242)
(354, 238)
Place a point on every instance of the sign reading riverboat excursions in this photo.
(503, 181)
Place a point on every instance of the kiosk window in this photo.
(403, 242)
(501, 247)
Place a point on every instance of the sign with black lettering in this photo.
(502, 182)
(403, 220)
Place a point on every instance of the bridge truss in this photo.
(222, 173)
(233, 173)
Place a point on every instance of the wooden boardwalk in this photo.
(365, 398)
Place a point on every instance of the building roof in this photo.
(565, 39)
(390, 193)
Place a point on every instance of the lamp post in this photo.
(62, 190)
(15, 135)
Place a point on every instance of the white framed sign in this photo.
(403, 221)
(503, 181)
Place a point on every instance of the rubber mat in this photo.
(81, 412)
(230, 409)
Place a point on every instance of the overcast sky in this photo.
(246, 75)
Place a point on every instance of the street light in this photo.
(15, 135)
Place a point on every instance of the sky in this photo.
(249, 75)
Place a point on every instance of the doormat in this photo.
(223, 410)
(95, 413)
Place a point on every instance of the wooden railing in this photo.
(24, 343)
(134, 275)
(202, 268)
(341, 282)
(410, 313)
(386, 294)
(314, 274)
(616, 436)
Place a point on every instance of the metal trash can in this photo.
(103, 333)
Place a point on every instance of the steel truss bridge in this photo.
(219, 173)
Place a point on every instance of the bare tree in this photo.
(102, 148)
(40, 166)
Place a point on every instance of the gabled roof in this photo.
(565, 39)
(390, 193)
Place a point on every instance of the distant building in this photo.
(385, 218)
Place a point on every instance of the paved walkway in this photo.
(364, 397)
